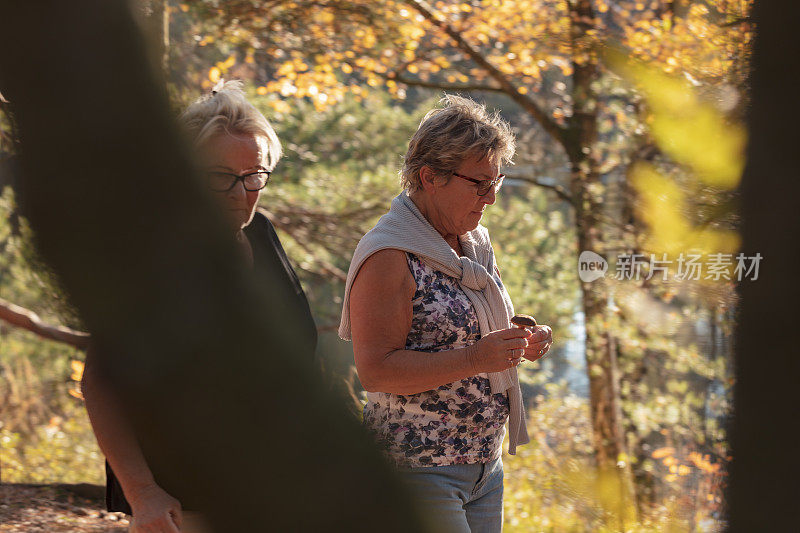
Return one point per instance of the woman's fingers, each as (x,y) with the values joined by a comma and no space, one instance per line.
(516,353)
(536,350)
(514,333)
(541,333)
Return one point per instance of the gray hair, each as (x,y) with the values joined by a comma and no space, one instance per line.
(460,128)
(226,109)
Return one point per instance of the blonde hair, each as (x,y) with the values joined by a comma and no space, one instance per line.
(447,135)
(226,109)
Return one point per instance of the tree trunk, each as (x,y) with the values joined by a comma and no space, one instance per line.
(586,189)
(766,465)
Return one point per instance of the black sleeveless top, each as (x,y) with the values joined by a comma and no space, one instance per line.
(268,258)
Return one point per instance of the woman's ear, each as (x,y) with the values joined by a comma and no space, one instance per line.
(427,179)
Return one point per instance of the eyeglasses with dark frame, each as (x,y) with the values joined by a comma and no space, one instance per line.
(484,186)
(225,181)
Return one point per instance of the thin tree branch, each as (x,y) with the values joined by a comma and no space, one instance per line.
(325,267)
(526,102)
(443,86)
(26,319)
(736,22)
(560,191)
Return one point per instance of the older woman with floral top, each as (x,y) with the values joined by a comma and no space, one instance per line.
(429,319)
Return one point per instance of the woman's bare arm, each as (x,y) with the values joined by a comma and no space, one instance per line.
(152,506)
(380,317)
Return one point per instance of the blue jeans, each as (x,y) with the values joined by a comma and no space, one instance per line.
(459,498)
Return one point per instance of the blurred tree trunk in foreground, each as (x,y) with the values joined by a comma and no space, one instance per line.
(232,419)
(766,466)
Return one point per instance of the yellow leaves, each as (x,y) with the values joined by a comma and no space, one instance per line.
(522,89)
(324,17)
(228,63)
(214,74)
(691,131)
(662,208)
(442,62)
(346,68)
(261,91)
(369,39)
(183,7)
(413,69)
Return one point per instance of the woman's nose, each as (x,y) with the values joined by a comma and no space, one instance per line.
(490,197)
(237,192)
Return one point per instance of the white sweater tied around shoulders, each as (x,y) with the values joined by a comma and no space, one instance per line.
(405,228)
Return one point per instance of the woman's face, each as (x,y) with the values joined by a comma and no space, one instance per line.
(235,154)
(459,207)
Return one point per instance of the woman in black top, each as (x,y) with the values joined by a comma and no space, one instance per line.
(238,150)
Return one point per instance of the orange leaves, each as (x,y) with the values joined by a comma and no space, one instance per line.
(670,461)
(678,469)
(703,463)
(77,370)
(662,452)
(77,376)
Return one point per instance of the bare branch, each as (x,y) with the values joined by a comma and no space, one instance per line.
(325,267)
(443,86)
(526,102)
(736,22)
(26,319)
(560,191)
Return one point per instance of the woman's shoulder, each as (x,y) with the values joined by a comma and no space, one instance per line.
(262,226)
(387,267)
(388,261)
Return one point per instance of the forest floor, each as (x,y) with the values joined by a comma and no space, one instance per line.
(49,508)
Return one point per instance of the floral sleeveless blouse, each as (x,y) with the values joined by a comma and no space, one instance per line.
(457,423)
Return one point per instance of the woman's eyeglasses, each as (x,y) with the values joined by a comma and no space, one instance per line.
(224,181)
(484,186)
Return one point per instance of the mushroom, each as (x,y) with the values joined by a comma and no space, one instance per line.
(523,321)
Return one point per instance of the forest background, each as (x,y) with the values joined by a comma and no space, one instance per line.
(628,117)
